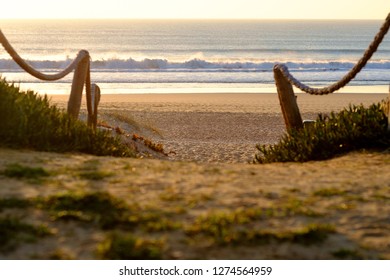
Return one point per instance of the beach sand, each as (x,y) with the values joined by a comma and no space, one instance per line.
(349,194)
(212,127)
(333,209)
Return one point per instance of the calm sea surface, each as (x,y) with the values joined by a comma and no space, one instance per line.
(135,56)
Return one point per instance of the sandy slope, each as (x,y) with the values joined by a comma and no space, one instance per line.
(350,193)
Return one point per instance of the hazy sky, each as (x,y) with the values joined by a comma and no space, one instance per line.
(291,9)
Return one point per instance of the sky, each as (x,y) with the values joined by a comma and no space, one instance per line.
(193,9)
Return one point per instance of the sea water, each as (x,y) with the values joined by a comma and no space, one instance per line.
(184,56)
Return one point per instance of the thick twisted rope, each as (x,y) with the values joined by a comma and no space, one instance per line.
(349,76)
(29,69)
(82,75)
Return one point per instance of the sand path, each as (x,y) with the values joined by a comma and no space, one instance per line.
(213,127)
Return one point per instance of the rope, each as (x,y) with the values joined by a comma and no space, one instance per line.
(349,76)
(29,69)
(82,75)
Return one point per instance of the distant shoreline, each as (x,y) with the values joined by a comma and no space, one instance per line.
(131,88)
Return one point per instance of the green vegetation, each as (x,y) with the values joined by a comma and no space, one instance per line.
(351,129)
(223,231)
(308,235)
(347,254)
(13,203)
(59,255)
(13,232)
(312,234)
(119,246)
(159,224)
(28,121)
(97,207)
(106,211)
(233,227)
(327,192)
(19,171)
(131,230)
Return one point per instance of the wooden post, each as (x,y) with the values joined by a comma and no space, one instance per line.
(89,93)
(79,77)
(388,111)
(95,99)
(288,102)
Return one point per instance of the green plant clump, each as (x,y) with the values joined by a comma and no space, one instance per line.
(119,246)
(13,232)
(18,171)
(29,121)
(14,202)
(98,207)
(351,129)
(347,254)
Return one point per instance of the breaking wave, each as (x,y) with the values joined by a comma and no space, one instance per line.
(194,65)
(200,71)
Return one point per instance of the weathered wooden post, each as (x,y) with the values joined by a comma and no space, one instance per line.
(288,102)
(388,111)
(79,79)
(385,107)
(94,102)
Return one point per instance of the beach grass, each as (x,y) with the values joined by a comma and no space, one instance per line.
(29,121)
(354,128)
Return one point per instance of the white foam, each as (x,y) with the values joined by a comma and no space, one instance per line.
(195,64)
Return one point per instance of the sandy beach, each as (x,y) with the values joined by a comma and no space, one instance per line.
(212,127)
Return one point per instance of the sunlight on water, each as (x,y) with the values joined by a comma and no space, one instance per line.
(142,56)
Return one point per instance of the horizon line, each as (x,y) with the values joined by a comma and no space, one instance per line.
(107,18)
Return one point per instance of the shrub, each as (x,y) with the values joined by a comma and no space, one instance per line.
(29,121)
(351,129)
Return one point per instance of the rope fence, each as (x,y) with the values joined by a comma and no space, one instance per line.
(82,76)
(284,81)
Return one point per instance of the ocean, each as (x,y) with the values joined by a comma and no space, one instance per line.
(187,56)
